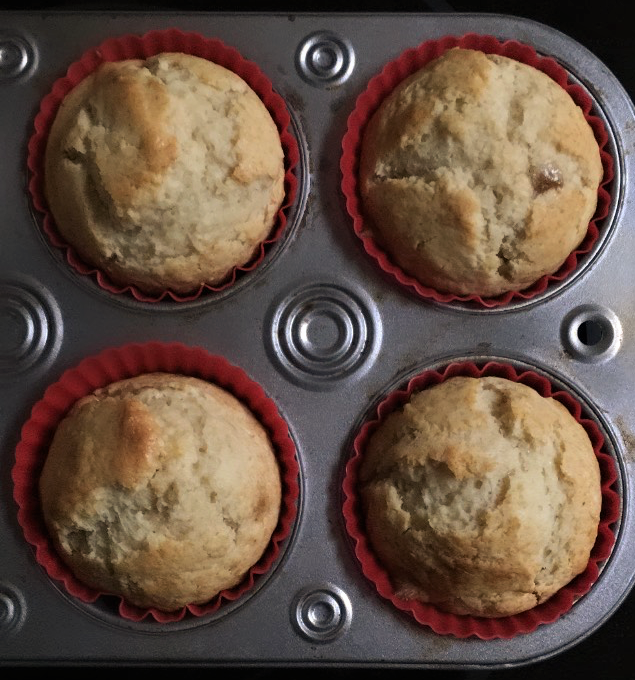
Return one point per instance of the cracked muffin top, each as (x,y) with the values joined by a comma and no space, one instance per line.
(480,496)
(163,489)
(165,174)
(479,174)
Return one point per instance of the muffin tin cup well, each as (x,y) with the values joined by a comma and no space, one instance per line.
(392,75)
(467,626)
(125,362)
(142,47)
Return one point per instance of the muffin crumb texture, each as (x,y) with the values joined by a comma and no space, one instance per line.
(162,489)
(165,173)
(479,174)
(481,497)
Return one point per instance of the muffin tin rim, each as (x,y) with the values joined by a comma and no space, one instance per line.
(473,662)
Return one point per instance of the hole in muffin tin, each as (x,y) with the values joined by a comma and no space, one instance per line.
(591,333)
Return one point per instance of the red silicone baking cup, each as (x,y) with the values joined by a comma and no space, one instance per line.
(142,47)
(126,362)
(467,626)
(398,70)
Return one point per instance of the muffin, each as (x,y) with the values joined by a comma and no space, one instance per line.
(165,173)
(480,497)
(478,174)
(162,488)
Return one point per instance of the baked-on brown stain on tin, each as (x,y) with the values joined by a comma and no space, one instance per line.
(628,437)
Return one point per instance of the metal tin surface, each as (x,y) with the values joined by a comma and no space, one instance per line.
(325,334)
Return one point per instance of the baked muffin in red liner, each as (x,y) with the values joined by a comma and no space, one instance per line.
(382,84)
(463,626)
(128,361)
(141,47)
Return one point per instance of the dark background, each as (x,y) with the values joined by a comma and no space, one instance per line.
(604,27)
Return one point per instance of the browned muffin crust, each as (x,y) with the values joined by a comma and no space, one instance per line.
(165,173)
(163,489)
(481,496)
(479,174)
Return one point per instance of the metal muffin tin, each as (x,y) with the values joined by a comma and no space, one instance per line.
(324,332)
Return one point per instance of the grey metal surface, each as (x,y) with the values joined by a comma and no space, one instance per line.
(321,329)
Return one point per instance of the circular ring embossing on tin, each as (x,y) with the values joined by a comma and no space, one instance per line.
(322,333)
(12,608)
(17,57)
(31,326)
(321,613)
(591,333)
(323,59)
